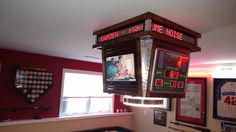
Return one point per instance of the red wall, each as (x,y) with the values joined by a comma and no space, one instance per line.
(10,97)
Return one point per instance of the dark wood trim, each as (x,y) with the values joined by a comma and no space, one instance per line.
(154,35)
(176,42)
(174,25)
(144,16)
(121,24)
(166,45)
(167,94)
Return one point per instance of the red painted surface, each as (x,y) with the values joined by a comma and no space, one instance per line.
(11,97)
(118,104)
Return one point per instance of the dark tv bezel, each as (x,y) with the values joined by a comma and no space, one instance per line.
(121,87)
(120,80)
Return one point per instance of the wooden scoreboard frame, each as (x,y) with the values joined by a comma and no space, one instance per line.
(125,37)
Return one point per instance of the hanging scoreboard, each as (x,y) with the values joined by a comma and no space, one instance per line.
(169,71)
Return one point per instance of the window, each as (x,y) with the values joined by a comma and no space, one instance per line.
(82,93)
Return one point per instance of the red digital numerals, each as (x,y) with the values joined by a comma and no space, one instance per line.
(159,82)
(173,84)
(230,100)
(135,29)
(119,33)
(180,84)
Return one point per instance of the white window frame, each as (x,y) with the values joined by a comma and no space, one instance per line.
(62,90)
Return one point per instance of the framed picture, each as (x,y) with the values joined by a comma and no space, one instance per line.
(224,99)
(160,117)
(228,127)
(192,108)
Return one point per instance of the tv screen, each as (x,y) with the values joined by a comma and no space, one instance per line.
(176,61)
(120,68)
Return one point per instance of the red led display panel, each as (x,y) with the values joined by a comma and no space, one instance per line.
(172,33)
(159,82)
(169,32)
(120,33)
(173,84)
(180,84)
(172,74)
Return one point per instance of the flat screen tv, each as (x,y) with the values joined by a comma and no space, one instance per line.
(120,73)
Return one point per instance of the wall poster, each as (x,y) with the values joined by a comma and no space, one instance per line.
(192,108)
(160,117)
(224,99)
(228,127)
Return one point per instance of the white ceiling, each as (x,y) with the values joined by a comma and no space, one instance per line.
(64,28)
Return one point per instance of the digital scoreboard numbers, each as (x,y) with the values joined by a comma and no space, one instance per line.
(169,72)
(166,80)
(225,99)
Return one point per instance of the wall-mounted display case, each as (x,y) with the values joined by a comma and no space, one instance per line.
(33,82)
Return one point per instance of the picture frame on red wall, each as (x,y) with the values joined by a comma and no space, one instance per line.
(192,108)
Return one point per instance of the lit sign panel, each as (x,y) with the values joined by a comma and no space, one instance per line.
(140,27)
(120,33)
(172,33)
(167,31)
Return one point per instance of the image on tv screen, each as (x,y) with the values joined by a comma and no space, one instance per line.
(176,61)
(120,68)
